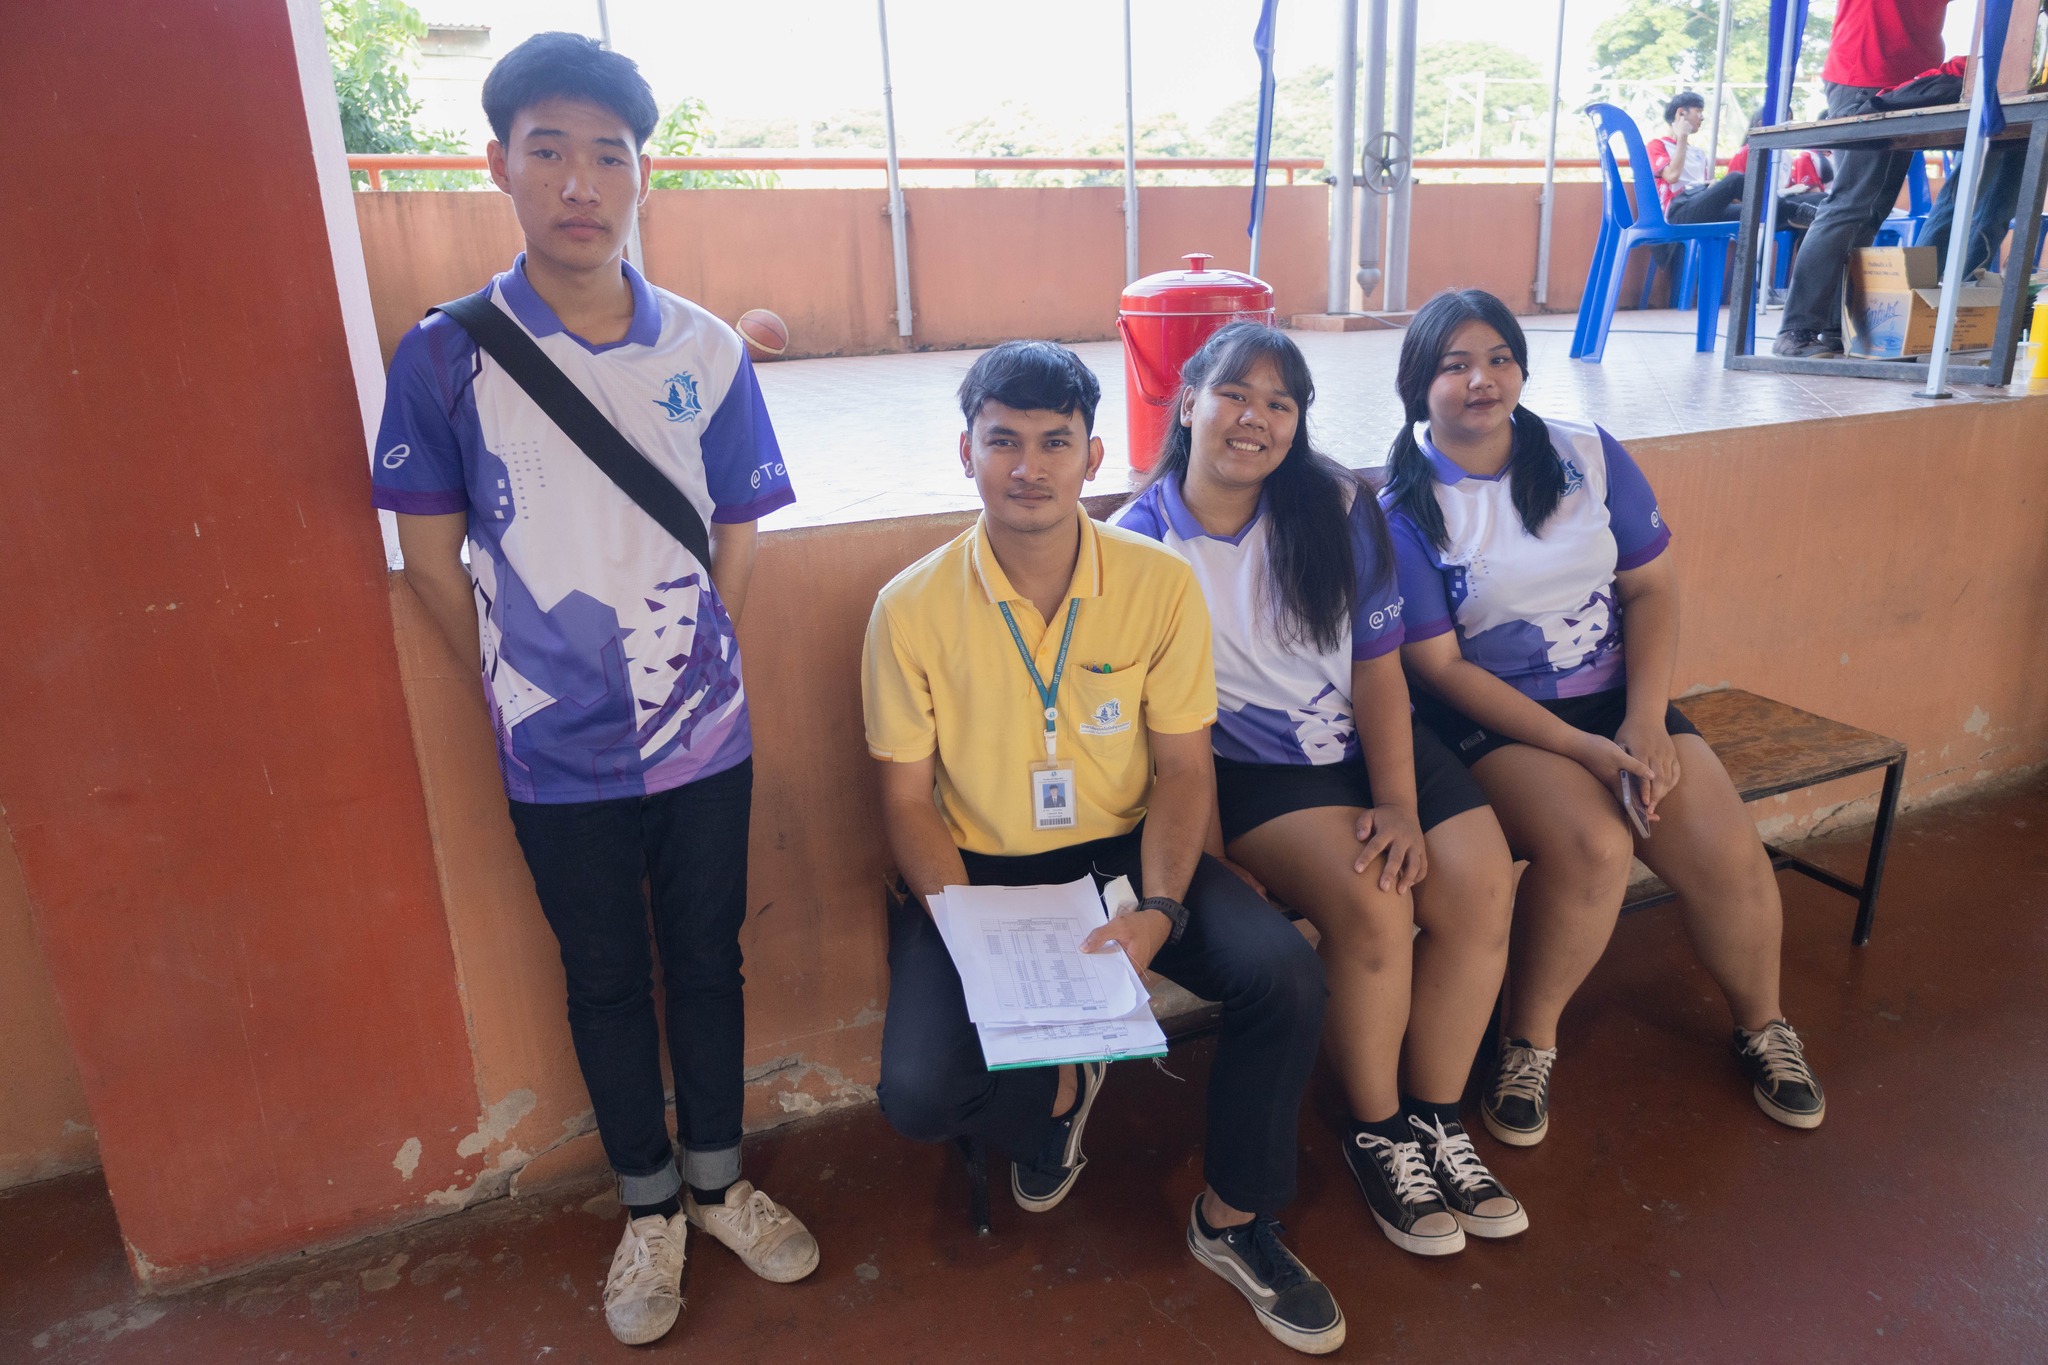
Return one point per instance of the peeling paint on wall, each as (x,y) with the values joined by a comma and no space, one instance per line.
(497,1123)
(408,1159)
(1979,722)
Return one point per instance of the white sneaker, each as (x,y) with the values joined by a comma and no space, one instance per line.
(764,1235)
(643,1295)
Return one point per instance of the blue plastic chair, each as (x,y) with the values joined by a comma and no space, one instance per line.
(1901,227)
(1623,228)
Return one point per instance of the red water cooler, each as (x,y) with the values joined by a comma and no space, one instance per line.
(1164,319)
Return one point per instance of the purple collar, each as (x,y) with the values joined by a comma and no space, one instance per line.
(536,317)
(1188,526)
(1448,470)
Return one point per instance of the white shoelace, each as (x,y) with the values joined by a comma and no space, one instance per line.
(1783,1055)
(651,1259)
(755,1217)
(1413,1183)
(1454,1152)
(1524,1073)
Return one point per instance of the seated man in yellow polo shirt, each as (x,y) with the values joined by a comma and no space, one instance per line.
(1050,680)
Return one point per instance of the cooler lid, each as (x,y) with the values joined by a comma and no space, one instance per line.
(1197,289)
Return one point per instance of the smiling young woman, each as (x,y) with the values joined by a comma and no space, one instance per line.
(1327,791)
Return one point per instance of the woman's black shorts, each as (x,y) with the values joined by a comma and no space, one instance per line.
(1599,713)
(1250,794)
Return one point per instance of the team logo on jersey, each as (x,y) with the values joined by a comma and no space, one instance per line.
(1392,612)
(681,403)
(397,456)
(1573,479)
(1108,720)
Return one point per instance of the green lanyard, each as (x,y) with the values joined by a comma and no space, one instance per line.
(1046,694)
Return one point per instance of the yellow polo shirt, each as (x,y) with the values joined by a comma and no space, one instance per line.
(940,671)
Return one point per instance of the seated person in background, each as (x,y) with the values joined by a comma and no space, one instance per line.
(1802,182)
(1524,547)
(1035,644)
(1685,184)
(1328,791)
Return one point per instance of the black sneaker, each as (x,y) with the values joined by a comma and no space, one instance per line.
(1517,1108)
(1805,345)
(1784,1085)
(1483,1206)
(1292,1304)
(1043,1183)
(1404,1200)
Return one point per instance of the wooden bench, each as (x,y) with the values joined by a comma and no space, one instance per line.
(1767,747)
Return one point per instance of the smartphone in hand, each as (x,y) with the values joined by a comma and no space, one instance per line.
(1631,805)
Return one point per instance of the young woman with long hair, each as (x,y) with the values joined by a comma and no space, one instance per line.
(1326,792)
(1524,548)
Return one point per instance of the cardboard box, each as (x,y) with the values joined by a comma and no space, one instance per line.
(1893,296)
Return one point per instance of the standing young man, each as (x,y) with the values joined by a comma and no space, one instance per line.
(1876,44)
(607,649)
(1049,680)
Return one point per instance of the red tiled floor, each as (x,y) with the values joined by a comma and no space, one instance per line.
(1671,1221)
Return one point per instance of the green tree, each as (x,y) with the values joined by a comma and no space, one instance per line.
(1302,112)
(683,131)
(1672,42)
(1456,83)
(369,44)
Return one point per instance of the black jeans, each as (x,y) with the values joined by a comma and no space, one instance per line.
(1998,198)
(1720,202)
(1866,186)
(1237,950)
(589,860)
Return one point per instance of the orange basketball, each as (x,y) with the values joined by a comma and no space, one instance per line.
(764,331)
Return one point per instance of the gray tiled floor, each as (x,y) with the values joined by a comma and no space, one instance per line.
(869,437)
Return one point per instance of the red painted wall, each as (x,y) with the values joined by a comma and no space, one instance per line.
(205,761)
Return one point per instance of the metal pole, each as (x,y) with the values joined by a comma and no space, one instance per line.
(1720,83)
(1549,200)
(1130,160)
(1404,133)
(899,234)
(1959,238)
(1372,217)
(633,251)
(1788,62)
(1343,157)
(1259,190)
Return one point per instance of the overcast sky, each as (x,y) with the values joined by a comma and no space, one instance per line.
(954,59)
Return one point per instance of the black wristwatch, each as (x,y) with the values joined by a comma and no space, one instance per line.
(1174,911)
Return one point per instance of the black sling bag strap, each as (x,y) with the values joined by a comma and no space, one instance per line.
(570,409)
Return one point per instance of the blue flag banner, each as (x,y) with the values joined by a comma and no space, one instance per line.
(1778,103)
(1262,142)
(1997,19)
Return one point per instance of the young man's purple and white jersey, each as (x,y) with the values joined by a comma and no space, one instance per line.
(612,664)
(1277,700)
(1537,612)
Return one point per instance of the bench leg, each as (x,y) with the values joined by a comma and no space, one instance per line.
(975,1152)
(1880,841)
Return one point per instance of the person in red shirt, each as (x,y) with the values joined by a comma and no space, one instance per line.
(1877,44)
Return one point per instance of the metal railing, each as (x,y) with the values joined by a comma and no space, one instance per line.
(375,164)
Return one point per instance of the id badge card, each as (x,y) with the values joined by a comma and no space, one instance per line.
(1052,795)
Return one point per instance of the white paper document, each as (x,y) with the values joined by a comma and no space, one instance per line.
(1034,996)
